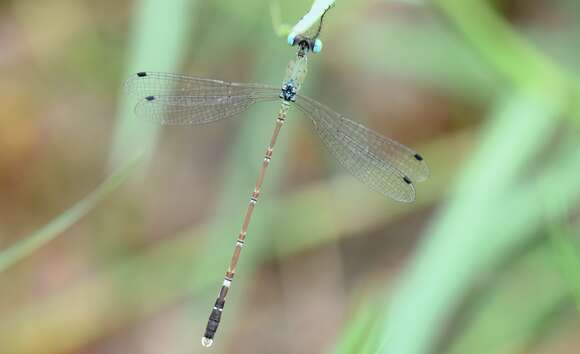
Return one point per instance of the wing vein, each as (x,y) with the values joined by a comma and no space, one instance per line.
(383,164)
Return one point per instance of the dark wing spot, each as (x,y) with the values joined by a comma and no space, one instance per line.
(142,74)
(407,180)
(150,98)
(418,157)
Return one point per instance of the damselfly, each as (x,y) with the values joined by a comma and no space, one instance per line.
(383,164)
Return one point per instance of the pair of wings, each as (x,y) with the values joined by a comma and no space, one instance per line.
(381,163)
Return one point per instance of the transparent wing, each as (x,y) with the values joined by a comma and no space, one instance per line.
(181,99)
(383,164)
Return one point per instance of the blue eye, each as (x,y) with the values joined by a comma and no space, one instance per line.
(317,46)
(291,38)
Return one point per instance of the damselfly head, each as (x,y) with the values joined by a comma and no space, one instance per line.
(305,44)
(310,42)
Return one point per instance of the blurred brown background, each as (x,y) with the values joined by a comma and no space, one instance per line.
(485,261)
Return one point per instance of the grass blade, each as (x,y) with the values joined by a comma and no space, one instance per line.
(158,37)
(57,226)
(472,231)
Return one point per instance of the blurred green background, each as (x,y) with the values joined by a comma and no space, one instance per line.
(115,233)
